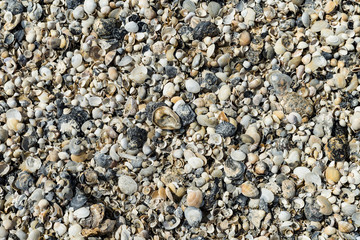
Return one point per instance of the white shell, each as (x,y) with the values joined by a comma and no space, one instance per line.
(238,155)
(32,164)
(301,172)
(313,178)
(139,74)
(267,195)
(13,114)
(196,162)
(333,40)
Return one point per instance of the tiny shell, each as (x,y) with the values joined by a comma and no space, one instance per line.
(165,118)
(248,189)
(194,198)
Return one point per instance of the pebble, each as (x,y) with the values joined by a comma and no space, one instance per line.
(205,28)
(244,38)
(225,129)
(131,27)
(193,216)
(224,93)
(214,8)
(192,86)
(3,232)
(238,155)
(82,213)
(127,185)
(284,216)
(89,6)
(74,230)
(355,121)
(288,189)
(34,234)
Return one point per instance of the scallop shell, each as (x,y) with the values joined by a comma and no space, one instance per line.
(248,189)
(345,227)
(165,118)
(333,40)
(194,198)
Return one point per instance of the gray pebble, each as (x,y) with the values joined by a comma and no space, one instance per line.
(127,185)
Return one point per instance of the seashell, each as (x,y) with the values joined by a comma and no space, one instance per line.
(139,74)
(234,169)
(298,203)
(257,43)
(10,25)
(24,181)
(167,33)
(109,57)
(267,195)
(333,40)
(195,162)
(305,18)
(288,189)
(261,168)
(332,175)
(325,205)
(194,198)
(10,65)
(14,114)
(193,216)
(313,178)
(300,172)
(4,168)
(165,118)
(189,5)
(319,25)
(345,227)
(244,38)
(269,13)
(31,164)
(286,230)
(248,189)
(171,222)
(215,138)
(97,214)
(356,219)
(126,60)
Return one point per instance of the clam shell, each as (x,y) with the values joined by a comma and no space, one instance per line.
(165,118)
(171,222)
(139,74)
(248,189)
(4,168)
(345,227)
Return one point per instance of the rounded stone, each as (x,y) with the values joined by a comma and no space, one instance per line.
(224,93)
(132,27)
(127,185)
(192,86)
(82,212)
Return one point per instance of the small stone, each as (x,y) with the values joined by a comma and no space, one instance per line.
(89,6)
(132,27)
(127,185)
(244,38)
(267,195)
(248,189)
(238,155)
(102,160)
(186,114)
(196,162)
(256,216)
(234,169)
(171,71)
(8,224)
(312,212)
(284,216)
(15,7)
(288,189)
(214,8)
(193,216)
(78,200)
(169,90)
(204,29)
(225,129)
(189,5)
(137,137)
(192,86)
(292,102)
(82,213)
(319,25)
(224,93)
(194,198)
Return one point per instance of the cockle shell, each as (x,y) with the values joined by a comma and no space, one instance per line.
(248,189)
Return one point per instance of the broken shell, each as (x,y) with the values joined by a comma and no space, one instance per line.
(193,215)
(194,198)
(31,164)
(171,222)
(325,205)
(234,169)
(4,169)
(139,74)
(248,189)
(165,118)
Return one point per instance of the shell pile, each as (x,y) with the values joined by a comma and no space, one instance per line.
(179,119)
